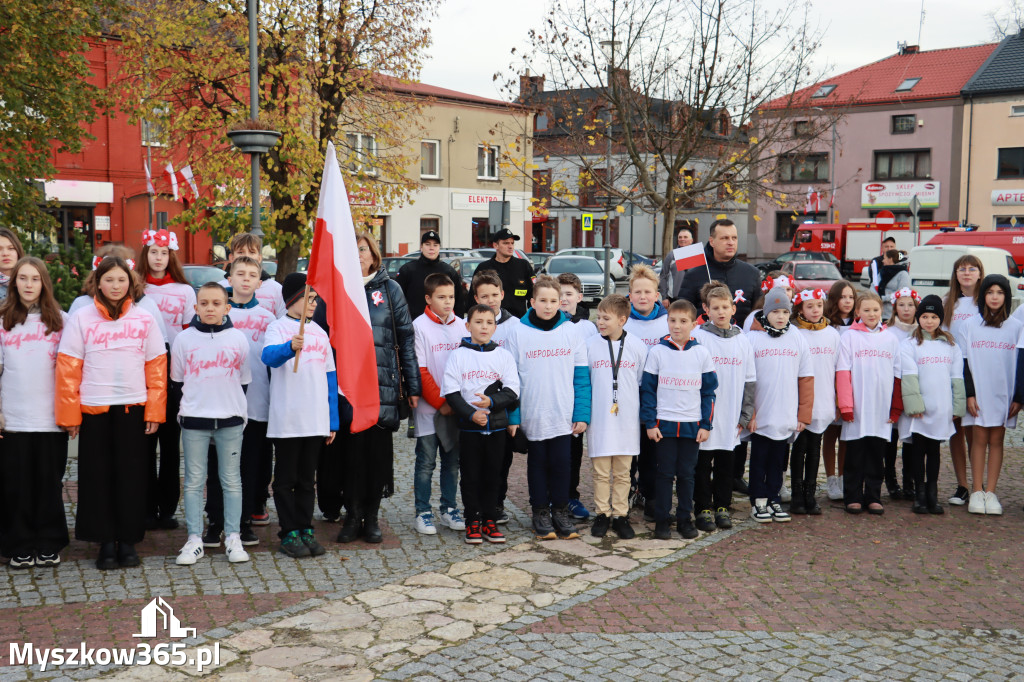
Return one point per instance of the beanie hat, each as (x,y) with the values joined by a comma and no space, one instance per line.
(930,304)
(776,299)
(293,287)
(989,282)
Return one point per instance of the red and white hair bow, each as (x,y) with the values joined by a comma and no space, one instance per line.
(770,283)
(809,295)
(99,259)
(160,238)
(903,293)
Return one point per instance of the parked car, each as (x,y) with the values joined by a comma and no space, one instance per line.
(811,274)
(198,275)
(588,269)
(790,256)
(538,258)
(489,253)
(618,262)
(394,263)
(467,266)
(449,254)
(634,258)
(931,267)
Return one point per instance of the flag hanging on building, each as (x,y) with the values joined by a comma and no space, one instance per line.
(149,178)
(813,201)
(188,179)
(335,274)
(687,257)
(172,178)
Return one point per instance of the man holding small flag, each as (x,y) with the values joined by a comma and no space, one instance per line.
(717,261)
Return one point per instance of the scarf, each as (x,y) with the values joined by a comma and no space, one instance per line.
(907,327)
(166,279)
(657,311)
(803,323)
(544,325)
(5,280)
(772,331)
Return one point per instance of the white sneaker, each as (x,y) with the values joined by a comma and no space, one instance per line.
(992,505)
(779,515)
(233,548)
(835,490)
(191,552)
(453,519)
(784,494)
(759,511)
(976,505)
(425,524)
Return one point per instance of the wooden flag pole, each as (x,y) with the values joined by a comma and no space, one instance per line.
(302,327)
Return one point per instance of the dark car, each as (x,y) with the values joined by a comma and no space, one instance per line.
(634,258)
(394,263)
(781,260)
(467,267)
(538,258)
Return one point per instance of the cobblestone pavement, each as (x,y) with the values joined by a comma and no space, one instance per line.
(892,597)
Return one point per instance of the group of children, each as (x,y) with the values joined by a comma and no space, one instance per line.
(665,398)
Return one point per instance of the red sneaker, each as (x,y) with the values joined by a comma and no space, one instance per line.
(473,536)
(491,532)
(261,519)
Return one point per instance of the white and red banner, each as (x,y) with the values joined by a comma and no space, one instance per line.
(335,274)
(172,178)
(149,178)
(813,204)
(692,256)
(186,177)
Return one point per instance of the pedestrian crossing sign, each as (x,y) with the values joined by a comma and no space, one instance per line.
(588,222)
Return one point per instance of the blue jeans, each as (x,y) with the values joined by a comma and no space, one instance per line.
(426,458)
(196,443)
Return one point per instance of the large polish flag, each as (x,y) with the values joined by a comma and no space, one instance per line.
(335,275)
(691,256)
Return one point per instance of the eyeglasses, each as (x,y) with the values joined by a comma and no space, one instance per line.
(967,269)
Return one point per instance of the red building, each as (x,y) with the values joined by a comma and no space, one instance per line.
(102,189)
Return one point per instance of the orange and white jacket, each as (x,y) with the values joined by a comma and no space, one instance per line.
(103,361)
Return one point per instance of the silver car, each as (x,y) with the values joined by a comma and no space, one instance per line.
(589,271)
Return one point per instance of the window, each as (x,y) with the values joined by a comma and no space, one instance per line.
(903,215)
(903,165)
(481,233)
(802,129)
(364,148)
(154,132)
(486,162)
(1009,222)
(823,91)
(430,224)
(903,123)
(1017,110)
(908,84)
(786,223)
(430,158)
(809,168)
(541,122)
(1011,162)
(542,187)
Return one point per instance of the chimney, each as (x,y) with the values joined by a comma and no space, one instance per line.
(530,86)
(909,49)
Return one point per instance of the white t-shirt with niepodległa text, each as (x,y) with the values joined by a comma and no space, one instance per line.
(873,360)
(28,384)
(734,364)
(823,345)
(213,366)
(618,433)
(680,373)
(991,356)
(935,363)
(469,372)
(176,303)
(780,362)
(298,400)
(435,341)
(651,332)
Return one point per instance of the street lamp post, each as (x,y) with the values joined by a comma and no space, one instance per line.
(608,47)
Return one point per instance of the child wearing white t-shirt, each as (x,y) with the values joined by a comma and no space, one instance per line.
(303,412)
(554,404)
(783,402)
(823,344)
(481,384)
(902,325)
(995,389)
(677,402)
(438,332)
(734,406)
(616,360)
(210,361)
(931,379)
(870,402)
(35,450)
(842,298)
(269,292)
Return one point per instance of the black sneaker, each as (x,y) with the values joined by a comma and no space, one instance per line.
(293,546)
(623,528)
(44,559)
(600,527)
(740,486)
(127,557)
(315,548)
(663,530)
(563,524)
(501,518)
(722,518)
(687,529)
(214,534)
(649,511)
(542,527)
(23,561)
(959,498)
(247,535)
(706,521)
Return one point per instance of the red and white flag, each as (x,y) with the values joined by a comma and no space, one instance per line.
(813,201)
(335,274)
(188,179)
(172,178)
(149,178)
(691,256)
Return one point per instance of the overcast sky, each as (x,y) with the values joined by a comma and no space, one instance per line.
(473,38)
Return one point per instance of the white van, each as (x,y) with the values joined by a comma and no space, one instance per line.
(932,265)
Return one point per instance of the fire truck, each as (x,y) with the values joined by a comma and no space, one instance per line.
(855,243)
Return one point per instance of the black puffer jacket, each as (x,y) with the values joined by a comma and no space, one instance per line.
(384,344)
(734,273)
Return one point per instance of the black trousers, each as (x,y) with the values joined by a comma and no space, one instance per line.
(644,471)
(506,466)
(255,449)
(767,465)
(805,458)
(481,456)
(31,499)
(739,460)
(923,459)
(863,470)
(547,472)
(294,473)
(676,463)
(163,484)
(891,451)
(367,468)
(713,486)
(111,467)
(575,461)
(329,475)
